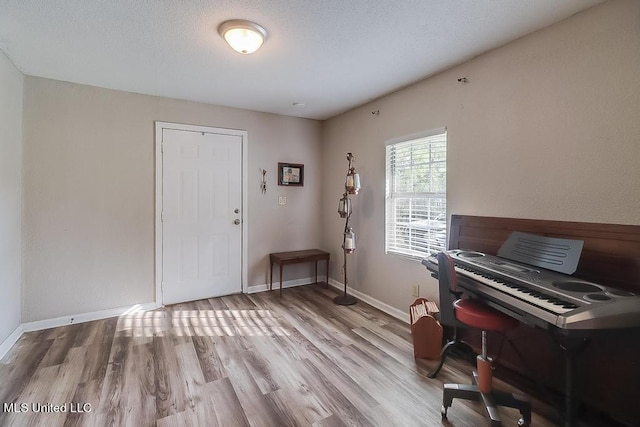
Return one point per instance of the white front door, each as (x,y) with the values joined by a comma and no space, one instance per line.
(201,214)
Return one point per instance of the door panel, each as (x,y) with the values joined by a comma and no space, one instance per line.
(201,191)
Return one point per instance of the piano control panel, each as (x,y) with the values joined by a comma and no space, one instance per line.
(541,296)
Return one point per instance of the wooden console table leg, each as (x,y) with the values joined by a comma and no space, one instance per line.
(270,275)
(316,263)
(280,280)
(327,269)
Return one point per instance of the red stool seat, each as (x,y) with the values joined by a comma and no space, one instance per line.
(481,316)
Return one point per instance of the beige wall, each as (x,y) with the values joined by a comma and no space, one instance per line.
(11,86)
(547,127)
(89,193)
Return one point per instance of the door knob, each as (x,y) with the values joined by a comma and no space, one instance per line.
(236,221)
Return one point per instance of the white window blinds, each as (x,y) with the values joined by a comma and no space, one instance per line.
(416,223)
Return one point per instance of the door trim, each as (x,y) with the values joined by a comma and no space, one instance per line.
(158,197)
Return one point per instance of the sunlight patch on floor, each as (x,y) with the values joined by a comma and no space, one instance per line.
(209,323)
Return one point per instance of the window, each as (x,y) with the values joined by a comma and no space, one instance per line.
(416,195)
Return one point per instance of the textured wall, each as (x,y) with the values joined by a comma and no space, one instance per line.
(89,193)
(546,127)
(11,85)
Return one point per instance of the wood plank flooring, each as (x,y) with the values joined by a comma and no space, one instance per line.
(242,360)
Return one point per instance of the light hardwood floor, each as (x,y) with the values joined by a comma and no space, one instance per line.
(242,360)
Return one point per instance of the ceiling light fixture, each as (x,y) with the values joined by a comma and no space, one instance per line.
(243,36)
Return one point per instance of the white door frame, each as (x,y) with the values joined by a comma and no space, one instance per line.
(158,196)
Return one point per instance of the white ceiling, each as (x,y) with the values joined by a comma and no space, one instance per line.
(331,55)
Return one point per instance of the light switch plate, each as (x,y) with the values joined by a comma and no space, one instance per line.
(282,200)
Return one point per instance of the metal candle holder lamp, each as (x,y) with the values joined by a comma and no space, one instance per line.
(351,186)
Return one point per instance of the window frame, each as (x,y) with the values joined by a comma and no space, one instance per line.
(434,240)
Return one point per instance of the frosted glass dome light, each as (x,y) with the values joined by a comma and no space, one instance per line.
(243,36)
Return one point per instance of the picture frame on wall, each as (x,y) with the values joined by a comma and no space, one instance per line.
(291,174)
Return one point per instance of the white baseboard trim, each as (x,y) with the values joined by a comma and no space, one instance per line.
(10,341)
(87,317)
(285,284)
(392,311)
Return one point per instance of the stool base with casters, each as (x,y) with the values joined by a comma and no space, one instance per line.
(491,401)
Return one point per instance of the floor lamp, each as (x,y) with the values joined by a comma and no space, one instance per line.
(351,186)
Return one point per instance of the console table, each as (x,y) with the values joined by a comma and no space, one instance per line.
(297,257)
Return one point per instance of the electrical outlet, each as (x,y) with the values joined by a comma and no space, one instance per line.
(282,200)
(415,290)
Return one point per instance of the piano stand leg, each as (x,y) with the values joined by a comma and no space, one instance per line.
(571,351)
(443,356)
(451,346)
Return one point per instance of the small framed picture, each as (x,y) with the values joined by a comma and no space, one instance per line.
(291,174)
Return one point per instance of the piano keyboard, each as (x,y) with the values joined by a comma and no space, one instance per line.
(544,300)
(540,296)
